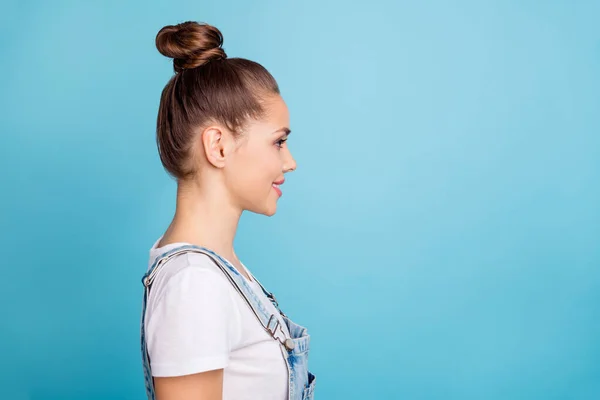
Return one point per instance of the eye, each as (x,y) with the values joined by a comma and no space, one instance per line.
(280,142)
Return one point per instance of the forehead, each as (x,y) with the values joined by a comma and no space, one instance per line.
(276,112)
(275,118)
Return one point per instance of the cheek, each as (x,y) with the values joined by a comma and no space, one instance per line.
(265,162)
(255,172)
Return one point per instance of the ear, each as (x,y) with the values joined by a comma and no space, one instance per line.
(213,142)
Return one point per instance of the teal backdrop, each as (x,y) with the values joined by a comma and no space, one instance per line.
(440,238)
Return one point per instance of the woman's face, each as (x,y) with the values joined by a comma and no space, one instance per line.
(256,169)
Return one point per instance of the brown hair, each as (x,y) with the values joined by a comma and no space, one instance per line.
(207,88)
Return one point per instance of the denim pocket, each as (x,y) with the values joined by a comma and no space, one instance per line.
(308,393)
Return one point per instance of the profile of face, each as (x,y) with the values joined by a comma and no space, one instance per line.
(254,163)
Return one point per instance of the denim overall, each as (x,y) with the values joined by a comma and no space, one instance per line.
(301,382)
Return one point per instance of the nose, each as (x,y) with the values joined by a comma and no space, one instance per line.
(289,163)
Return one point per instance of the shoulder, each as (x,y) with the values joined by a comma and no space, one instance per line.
(192,264)
(192,321)
(189,274)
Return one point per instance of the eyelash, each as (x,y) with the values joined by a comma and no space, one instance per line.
(280,142)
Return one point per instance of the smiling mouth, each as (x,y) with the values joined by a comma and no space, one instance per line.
(277,188)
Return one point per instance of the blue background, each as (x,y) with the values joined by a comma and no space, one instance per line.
(441,237)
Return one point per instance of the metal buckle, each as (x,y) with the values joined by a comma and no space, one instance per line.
(287,342)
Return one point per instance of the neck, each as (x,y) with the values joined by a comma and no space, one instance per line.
(204,218)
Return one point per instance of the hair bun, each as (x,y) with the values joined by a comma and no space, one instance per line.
(190,44)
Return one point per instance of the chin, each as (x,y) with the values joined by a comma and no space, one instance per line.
(269,210)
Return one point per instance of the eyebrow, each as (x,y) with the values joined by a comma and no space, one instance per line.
(286,130)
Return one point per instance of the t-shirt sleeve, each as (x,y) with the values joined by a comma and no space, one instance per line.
(194,325)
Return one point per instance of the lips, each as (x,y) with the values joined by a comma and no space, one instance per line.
(276,186)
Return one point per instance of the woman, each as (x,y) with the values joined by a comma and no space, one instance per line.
(209,328)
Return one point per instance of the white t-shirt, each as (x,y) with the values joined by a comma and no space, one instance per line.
(196,321)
